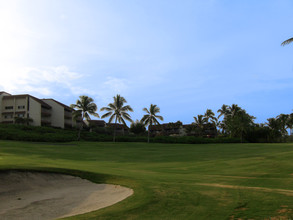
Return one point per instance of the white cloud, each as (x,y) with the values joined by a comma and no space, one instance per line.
(115,85)
(42,80)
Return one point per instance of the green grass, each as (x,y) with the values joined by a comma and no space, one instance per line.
(172,181)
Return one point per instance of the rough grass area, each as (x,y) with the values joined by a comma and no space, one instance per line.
(172,181)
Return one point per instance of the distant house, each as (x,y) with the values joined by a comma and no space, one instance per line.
(96,123)
(209,130)
(168,129)
(178,129)
(120,128)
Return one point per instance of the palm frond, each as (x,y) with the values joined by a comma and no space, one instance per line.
(156,122)
(126,116)
(146,110)
(87,117)
(290,40)
(122,121)
(127,108)
(144,118)
(111,118)
(147,122)
(112,106)
(107,114)
(160,117)
(106,109)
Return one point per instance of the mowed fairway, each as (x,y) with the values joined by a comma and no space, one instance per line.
(172,181)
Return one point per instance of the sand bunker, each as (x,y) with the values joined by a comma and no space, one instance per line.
(30,195)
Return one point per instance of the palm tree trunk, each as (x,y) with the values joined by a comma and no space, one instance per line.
(149,134)
(115,130)
(78,137)
(80,127)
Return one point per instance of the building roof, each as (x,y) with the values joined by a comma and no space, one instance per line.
(117,125)
(63,105)
(44,104)
(1,92)
(97,122)
(165,126)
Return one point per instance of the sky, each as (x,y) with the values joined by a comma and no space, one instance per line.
(185,56)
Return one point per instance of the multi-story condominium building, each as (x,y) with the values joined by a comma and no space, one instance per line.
(41,112)
(61,114)
(24,106)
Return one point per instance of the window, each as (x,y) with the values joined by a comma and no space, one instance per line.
(20,115)
(21,107)
(8,107)
(8,116)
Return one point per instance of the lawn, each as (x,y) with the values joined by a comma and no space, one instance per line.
(172,181)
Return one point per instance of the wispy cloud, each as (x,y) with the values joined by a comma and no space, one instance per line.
(39,80)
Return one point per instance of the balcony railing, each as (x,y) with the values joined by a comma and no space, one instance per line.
(46,112)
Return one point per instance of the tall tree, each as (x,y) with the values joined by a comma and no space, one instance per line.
(84,107)
(212,120)
(200,122)
(290,40)
(150,118)
(223,111)
(290,123)
(118,111)
(275,128)
(137,127)
(210,116)
(283,121)
(236,121)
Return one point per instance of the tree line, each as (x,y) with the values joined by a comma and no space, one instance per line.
(232,121)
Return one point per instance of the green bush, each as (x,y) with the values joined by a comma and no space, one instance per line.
(49,134)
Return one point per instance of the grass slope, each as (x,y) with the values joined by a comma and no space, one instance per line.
(172,181)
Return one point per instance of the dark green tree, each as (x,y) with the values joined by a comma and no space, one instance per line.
(118,111)
(200,122)
(137,127)
(84,107)
(150,118)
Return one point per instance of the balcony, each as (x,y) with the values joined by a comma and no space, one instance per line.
(45,122)
(68,115)
(45,112)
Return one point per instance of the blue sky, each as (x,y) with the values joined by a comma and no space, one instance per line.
(185,56)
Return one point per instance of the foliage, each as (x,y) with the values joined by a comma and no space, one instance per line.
(22,120)
(85,107)
(137,127)
(236,121)
(117,110)
(290,40)
(150,118)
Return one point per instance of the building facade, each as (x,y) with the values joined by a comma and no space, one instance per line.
(61,115)
(37,112)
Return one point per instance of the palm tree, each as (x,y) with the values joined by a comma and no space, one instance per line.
(150,118)
(233,110)
(210,115)
(223,111)
(289,123)
(84,107)
(283,119)
(200,121)
(290,40)
(117,110)
(211,119)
